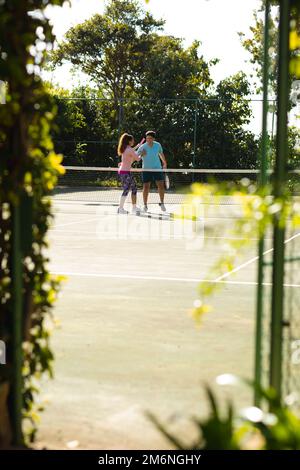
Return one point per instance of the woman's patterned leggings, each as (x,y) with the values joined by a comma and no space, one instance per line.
(128,184)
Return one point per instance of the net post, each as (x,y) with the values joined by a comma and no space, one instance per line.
(195,132)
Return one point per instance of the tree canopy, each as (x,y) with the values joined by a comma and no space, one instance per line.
(111,48)
(253,43)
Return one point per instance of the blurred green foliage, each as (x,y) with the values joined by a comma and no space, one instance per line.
(250,429)
(29,168)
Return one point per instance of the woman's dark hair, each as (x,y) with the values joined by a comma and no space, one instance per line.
(123,143)
(151,134)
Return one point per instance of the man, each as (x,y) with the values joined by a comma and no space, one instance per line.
(153,159)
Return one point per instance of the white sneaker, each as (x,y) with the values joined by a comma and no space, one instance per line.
(122,211)
(162,206)
(136,210)
(145,209)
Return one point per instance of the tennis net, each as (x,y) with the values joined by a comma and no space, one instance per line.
(102,185)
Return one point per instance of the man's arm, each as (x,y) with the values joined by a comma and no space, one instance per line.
(163,159)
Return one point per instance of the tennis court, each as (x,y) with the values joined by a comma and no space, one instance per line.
(127,343)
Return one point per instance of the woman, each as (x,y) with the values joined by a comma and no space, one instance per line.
(128,157)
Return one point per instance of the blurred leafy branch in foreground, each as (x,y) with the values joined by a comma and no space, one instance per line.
(29,169)
(250,429)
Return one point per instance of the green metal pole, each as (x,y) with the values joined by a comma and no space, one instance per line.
(273,120)
(279,186)
(17,356)
(120,115)
(262,183)
(195,133)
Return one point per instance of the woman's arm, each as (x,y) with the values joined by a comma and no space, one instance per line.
(138,145)
(137,157)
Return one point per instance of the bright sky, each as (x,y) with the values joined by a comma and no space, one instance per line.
(214,22)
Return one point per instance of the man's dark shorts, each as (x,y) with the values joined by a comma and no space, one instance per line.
(152,176)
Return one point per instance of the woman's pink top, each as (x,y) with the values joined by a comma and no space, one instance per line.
(128,157)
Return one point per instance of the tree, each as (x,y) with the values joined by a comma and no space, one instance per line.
(255,42)
(224,142)
(111,48)
(172,71)
(221,115)
(161,68)
(85,131)
(162,81)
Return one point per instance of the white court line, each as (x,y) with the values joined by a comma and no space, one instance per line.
(250,261)
(97,238)
(85,232)
(74,223)
(162,278)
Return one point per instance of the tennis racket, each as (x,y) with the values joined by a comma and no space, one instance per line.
(167,181)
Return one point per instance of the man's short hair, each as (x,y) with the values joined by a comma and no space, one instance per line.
(151,134)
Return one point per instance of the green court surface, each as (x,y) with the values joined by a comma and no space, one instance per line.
(126,343)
